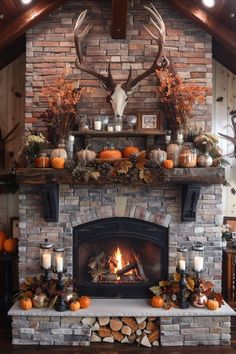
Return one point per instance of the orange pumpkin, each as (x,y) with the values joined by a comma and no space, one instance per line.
(26,303)
(74,305)
(157,301)
(10,245)
(57,162)
(110,154)
(3,237)
(85,301)
(213,304)
(168,164)
(129,151)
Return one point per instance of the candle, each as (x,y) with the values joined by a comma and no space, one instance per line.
(97,124)
(110,128)
(47,261)
(182,264)
(198,263)
(59,263)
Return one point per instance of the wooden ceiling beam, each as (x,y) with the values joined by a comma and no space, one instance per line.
(219,31)
(27,19)
(119,18)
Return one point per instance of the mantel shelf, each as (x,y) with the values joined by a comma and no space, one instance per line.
(205,176)
(127,133)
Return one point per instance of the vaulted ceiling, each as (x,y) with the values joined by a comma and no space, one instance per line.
(220,22)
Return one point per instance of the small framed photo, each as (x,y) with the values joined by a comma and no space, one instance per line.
(148,121)
(14,227)
(231,222)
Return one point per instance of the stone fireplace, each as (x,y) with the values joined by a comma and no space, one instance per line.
(153,213)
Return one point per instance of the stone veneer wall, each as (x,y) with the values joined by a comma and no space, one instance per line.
(50,49)
(81,204)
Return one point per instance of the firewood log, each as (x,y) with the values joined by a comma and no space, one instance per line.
(103,321)
(139,266)
(151,326)
(126,269)
(104,332)
(95,261)
(126,330)
(129,321)
(116,324)
(117,336)
(95,274)
(153,336)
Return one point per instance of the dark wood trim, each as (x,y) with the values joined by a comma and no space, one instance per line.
(217,29)
(207,175)
(224,56)
(27,19)
(119,19)
(12,51)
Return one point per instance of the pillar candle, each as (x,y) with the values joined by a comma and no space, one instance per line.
(182,264)
(198,263)
(47,261)
(59,263)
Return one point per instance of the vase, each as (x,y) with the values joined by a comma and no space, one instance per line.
(60,151)
(173,151)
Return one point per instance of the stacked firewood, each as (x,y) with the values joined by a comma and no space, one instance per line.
(132,330)
(102,269)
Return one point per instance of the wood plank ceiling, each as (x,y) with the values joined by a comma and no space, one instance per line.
(220,22)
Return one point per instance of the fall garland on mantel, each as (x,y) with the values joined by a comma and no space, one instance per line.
(133,170)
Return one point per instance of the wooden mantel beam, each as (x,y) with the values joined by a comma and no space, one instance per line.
(213,26)
(27,19)
(119,18)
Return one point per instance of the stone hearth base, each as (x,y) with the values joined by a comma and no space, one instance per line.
(177,327)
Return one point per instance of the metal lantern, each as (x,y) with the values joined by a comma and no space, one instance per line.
(59,259)
(182,259)
(198,257)
(46,254)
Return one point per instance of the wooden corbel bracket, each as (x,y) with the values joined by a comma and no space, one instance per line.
(190,196)
(50,201)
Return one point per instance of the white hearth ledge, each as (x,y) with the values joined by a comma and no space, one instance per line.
(123,307)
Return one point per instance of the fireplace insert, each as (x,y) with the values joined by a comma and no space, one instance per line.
(119,257)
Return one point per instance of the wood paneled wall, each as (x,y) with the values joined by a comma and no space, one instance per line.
(224,87)
(12,111)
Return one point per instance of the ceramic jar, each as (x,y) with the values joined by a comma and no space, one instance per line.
(188,156)
(173,151)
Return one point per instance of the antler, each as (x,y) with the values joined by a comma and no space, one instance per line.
(107,81)
(158,23)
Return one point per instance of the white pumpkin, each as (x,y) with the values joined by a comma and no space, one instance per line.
(157,156)
(59,152)
(86,155)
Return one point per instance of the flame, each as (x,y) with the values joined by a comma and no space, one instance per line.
(118,258)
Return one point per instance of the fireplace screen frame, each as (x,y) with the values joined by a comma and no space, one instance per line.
(120,227)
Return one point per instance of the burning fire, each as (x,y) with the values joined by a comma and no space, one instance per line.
(118,258)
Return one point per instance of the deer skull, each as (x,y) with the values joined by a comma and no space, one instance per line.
(120,92)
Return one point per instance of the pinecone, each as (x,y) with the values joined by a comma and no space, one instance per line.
(105,168)
(161,174)
(133,158)
(78,172)
(69,163)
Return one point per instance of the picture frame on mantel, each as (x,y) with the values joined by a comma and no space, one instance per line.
(14,227)
(149,121)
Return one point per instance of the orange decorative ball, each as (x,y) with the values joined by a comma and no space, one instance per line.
(168,164)
(213,304)
(85,302)
(157,301)
(74,305)
(10,245)
(26,303)
(3,237)
(57,162)
(129,151)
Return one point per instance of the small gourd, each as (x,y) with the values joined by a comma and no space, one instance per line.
(26,303)
(213,304)
(59,152)
(10,245)
(168,164)
(129,151)
(3,237)
(158,156)
(84,301)
(57,162)
(86,155)
(74,305)
(157,301)
(110,153)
